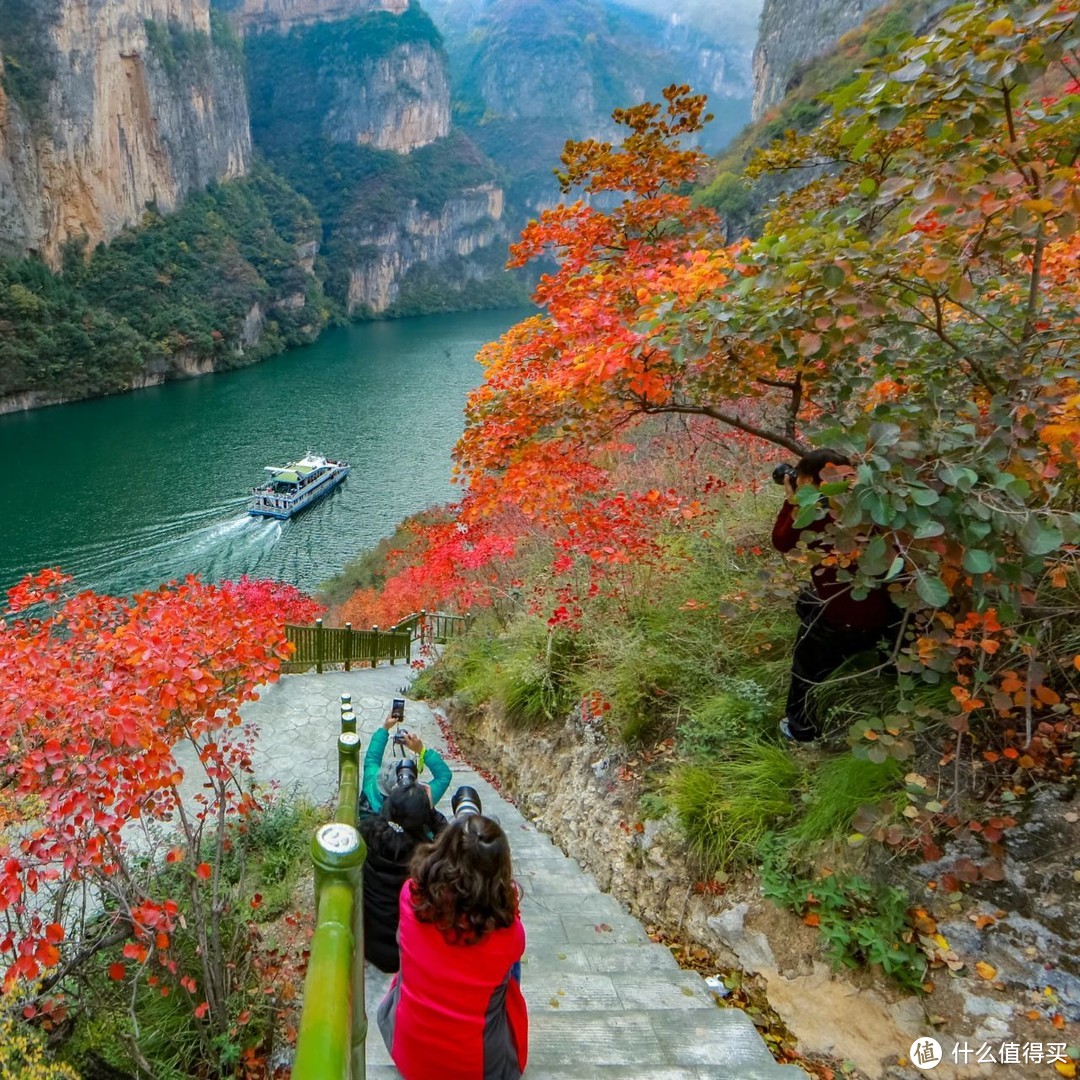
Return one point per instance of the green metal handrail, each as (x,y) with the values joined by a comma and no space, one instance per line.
(331,1041)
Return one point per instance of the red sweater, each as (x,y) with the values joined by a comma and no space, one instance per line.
(458,1015)
(840,609)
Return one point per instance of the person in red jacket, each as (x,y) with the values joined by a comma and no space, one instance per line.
(834,626)
(455,1011)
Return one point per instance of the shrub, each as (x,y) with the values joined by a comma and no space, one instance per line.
(742,708)
(726,807)
(861,923)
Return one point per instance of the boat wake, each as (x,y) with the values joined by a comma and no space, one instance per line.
(199,542)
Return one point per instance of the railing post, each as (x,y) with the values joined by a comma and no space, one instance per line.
(318,646)
(375,646)
(346,704)
(348,721)
(348,646)
(348,748)
(423,626)
(325,1045)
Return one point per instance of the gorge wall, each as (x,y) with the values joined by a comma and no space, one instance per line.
(355,111)
(529,74)
(464,224)
(793,32)
(282,15)
(105,106)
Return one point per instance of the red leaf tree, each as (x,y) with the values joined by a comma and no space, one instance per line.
(98,695)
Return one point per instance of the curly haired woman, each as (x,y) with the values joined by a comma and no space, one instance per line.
(454,1010)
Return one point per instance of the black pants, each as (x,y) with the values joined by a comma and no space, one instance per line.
(820,649)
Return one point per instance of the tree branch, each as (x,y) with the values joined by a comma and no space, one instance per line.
(732,420)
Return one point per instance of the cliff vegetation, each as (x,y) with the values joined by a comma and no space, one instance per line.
(742,200)
(179,288)
(528,74)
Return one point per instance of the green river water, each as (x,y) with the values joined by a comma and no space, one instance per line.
(129,491)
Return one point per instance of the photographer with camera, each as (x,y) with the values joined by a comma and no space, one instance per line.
(834,626)
(393,825)
(455,1010)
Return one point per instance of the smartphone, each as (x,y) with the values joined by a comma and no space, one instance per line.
(397,710)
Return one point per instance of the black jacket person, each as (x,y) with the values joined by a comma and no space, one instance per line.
(833,625)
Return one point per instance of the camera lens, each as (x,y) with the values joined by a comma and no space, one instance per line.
(465,801)
(406,773)
(782,472)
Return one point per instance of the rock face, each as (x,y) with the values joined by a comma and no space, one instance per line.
(342,91)
(793,32)
(402,103)
(529,74)
(281,15)
(140,105)
(465,223)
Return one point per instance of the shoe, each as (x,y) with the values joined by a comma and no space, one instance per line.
(787,733)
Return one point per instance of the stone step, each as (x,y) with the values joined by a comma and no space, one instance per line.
(605,1003)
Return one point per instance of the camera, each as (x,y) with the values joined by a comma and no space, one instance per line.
(465,802)
(399,737)
(783,472)
(405,772)
(397,709)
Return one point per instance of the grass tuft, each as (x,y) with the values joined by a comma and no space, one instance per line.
(727,806)
(836,789)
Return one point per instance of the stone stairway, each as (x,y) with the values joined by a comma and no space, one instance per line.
(604,1001)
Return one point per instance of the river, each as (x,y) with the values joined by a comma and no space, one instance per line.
(129,491)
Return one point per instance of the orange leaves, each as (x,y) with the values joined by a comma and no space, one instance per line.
(204,871)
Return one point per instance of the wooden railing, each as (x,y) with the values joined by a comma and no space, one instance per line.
(321,646)
(432,627)
(331,1041)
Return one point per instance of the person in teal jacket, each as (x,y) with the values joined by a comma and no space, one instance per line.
(441,776)
(393,825)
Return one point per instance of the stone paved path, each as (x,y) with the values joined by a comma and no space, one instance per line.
(604,1001)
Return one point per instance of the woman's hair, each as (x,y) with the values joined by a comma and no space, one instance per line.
(811,464)
(387,843)
(409,806)
(463,883)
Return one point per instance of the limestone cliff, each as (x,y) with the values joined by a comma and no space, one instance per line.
(106,105)
(365,80)
(529,74)
(282,15)
(355,113)
(793,32)
(464,224)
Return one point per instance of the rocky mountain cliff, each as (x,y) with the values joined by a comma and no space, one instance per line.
(529,74)
(105,106)
(283,15)
(355,113)
(793,32)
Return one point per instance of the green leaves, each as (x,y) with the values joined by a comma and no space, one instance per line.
(977,561)
(932,590)
(1040,536)
(833,276)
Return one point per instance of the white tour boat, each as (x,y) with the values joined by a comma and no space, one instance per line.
(293,487)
